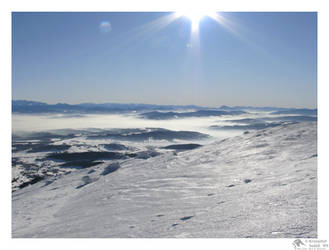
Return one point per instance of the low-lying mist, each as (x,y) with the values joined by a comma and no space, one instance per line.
(22,123)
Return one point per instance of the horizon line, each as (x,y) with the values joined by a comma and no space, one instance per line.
(179,105)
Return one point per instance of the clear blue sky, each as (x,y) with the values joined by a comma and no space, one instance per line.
(262,59)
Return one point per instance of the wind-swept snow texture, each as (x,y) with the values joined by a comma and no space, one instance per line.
(260,184)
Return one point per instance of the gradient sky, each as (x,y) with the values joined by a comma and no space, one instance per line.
(256,59)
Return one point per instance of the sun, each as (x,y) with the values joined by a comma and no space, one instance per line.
(195,16)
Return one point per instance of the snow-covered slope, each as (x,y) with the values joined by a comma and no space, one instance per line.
(259,184)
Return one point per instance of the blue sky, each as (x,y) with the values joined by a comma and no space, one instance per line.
(257,59)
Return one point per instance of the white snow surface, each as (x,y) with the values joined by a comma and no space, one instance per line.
(259,184)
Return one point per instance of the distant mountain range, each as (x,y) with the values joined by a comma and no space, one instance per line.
(277,110)
(156,115)
(24,106)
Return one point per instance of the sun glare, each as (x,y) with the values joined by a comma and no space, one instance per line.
(195,16)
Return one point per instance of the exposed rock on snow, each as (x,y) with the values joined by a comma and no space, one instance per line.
(111,168)
(181,147)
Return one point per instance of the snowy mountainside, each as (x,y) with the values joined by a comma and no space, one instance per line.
(259,184)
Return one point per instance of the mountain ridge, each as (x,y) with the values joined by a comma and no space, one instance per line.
(27,106)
